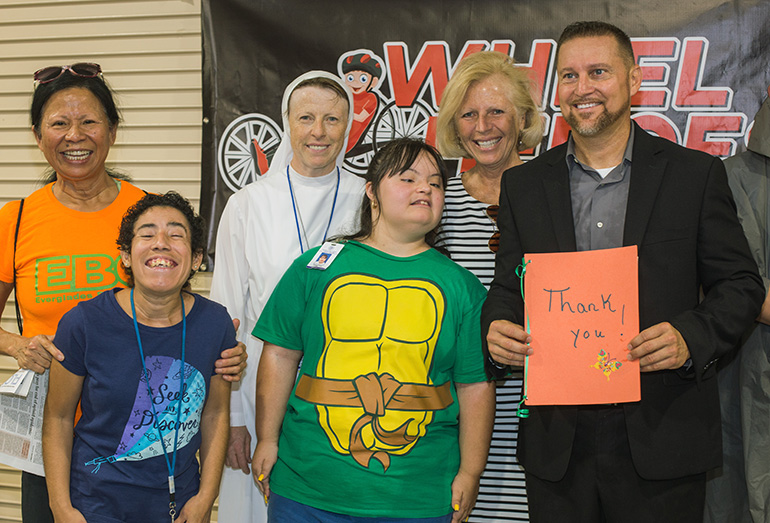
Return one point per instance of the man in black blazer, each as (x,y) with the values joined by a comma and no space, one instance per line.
(611,185)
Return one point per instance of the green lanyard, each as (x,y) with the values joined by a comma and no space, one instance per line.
(520,271)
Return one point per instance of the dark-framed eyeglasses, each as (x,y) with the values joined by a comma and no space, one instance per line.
(51,73)
(494,241)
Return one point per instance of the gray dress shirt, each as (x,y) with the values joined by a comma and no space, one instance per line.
(599,204)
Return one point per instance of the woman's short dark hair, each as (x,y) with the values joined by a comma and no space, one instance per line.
(67,80)
(393,159)
(173,200)
(100,89)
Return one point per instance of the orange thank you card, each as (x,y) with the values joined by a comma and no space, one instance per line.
(583,310)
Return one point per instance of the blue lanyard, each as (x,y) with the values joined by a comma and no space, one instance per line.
(296,215)
(170,465)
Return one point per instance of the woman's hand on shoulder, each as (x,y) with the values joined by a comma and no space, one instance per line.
(35,353)
(232,361)
(196,510)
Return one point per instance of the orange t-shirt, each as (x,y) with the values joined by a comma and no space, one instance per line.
(63,256)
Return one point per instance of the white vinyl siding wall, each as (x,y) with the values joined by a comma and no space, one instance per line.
(150,51)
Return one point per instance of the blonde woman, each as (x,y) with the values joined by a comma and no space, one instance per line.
(488,114)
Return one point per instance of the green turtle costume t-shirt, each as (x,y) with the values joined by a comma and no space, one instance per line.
(371,427)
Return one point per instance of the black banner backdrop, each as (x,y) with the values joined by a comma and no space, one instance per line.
(705,70)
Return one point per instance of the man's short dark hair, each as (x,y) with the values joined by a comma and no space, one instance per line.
(598,28)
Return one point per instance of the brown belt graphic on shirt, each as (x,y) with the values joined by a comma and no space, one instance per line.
(374,393)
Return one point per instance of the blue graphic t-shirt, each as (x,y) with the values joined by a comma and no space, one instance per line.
(119,472)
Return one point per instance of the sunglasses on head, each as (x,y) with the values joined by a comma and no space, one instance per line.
(84,69)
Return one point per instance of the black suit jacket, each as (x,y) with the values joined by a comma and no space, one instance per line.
(682,217)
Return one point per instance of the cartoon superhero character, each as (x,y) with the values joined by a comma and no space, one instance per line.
(362,72)
(372,390)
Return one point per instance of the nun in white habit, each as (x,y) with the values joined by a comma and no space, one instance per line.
(305,197)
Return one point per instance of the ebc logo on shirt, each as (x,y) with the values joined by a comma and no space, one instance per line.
(77,273)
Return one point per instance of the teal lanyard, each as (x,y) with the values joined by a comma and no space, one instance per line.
(170,465)
(296,214)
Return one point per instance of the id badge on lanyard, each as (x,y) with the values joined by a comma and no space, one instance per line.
(325,255)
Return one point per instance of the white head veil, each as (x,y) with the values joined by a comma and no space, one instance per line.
(284,153)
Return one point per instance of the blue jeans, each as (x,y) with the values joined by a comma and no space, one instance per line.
(284,510)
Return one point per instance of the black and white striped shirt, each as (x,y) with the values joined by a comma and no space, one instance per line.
(465,232)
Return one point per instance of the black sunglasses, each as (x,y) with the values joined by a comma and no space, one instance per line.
(84,69)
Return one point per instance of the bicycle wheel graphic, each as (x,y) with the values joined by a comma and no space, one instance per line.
(245,147)
(392,122)
(358,158)
(400,122)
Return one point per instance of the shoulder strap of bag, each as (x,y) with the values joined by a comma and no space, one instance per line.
(15,289)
